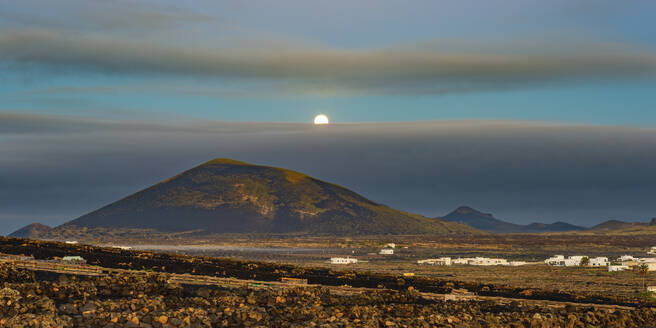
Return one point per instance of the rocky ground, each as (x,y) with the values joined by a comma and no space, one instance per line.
(267,271)
(147,300)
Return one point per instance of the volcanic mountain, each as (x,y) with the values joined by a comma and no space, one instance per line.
(227,196)
(487,222)
(31,230)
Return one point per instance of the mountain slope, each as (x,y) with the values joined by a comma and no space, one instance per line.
(618,225)
(487,222)
(479,220)
(224,195)
(31,230)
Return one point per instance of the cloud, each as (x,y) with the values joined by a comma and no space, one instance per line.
(63,167)
(431,67)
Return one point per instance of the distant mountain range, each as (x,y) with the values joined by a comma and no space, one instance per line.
(487,222)
(227,196)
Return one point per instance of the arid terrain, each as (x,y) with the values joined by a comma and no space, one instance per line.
(120,287)
(149,300)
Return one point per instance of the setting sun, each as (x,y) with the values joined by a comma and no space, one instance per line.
(321,119)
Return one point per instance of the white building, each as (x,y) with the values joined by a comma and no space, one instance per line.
(386,251)
(615,268)
(125,248)
(555,260)
(651,289)
(480,261)
(461,260)
(343,260)
(560,260)
(489,261)
(650,262)
(575,259)
(438,261)
(652,250)
(390,245)
(626,258)
(71,242)
(74,259)
(516,263)
(598,261)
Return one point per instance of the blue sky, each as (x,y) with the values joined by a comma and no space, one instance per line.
(43,80)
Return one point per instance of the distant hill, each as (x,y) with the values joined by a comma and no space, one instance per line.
(615,224)
(558,226)
(31,230)
(487,222)
(480,220)
(618,227)
(227,196)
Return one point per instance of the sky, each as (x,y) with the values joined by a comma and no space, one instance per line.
(557,97)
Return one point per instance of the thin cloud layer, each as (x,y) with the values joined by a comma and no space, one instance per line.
(430,67)
(61,168)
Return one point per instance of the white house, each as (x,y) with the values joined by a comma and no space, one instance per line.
(651,289)
(555,260)
(74,259)
(386,251)
(71,242)
(652,250)
(125,248)
(343,260)
(461,260)
(438,261)
(574,260)
(560,260)
(480,261)
(650,262)
(647,260)
(489,261)
(598,261)
(615,268)
(390,245)
(516,263)
(626,258)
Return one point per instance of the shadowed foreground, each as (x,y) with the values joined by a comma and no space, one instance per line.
(148,300)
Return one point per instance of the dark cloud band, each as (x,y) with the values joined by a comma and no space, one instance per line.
(59,168)
(432,67)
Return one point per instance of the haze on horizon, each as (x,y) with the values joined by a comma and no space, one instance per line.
(531,110)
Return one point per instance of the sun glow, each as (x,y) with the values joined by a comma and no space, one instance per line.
(321,119)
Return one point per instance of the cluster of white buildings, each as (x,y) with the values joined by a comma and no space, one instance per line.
(437,261)
(388,249)
(624,262)
(343,260)
(470,261)
(629,261)
(577,260)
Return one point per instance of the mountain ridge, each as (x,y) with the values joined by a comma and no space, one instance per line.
(228,196)
(487,222)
